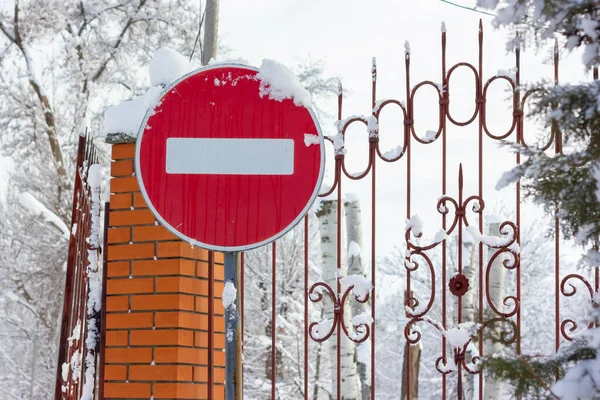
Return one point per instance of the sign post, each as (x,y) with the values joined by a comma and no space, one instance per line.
(226,168)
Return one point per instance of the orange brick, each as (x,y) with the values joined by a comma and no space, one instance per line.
(163,267)
(219,375)
(129,356)
(160,373)
(117,338)
(131,217)
(219,324)
(123,185)
(115,372)
(122,151)
(181,249)
(130,251)
(119,235)
(181,320)
(202,270)
(161,337)
(150,233)
(133,285)
(201,374)
(117,303)
(168,355)
(120,201)
(121,268)
(218,392)
(180,391)
(181,284)
(129,320)
(218,288)
(202,306)
(138,201)
(201,340)
(163,302)
(219,358)
(121,168)
(127,390)
(218,258)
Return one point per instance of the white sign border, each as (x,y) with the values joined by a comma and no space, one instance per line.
(194,242)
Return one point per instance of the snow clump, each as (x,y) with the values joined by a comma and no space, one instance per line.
(279,83)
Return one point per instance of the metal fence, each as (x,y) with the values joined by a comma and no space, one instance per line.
(439,306)
(73,362)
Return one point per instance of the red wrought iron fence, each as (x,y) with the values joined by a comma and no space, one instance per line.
(320,332)
(79,338)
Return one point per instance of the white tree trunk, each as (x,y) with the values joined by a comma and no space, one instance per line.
(492,387)
(328,216)
(356,267)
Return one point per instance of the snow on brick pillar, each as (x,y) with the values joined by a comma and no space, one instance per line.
(157,314)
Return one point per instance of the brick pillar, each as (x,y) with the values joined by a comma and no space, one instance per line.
(157,305)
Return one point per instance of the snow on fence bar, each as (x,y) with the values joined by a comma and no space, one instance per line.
(78,348)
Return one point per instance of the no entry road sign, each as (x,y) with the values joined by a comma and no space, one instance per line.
(225,167)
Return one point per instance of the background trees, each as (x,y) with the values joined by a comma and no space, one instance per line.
(61,64)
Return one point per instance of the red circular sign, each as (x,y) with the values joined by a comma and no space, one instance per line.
(225,168)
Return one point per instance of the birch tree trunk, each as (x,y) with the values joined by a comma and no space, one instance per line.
(492,387)
(356,267)
(468,307)
(328,225)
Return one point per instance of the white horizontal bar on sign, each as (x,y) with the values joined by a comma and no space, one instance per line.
(211,156)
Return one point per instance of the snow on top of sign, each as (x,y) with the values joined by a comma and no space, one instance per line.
(166,66)
(310,139)
(127,117)
(278,83)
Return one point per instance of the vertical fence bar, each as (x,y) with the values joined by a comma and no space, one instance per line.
(305,336)
(373,158)
(241,294)
(102,339)
(445,98)
(557,150)
(480,192)
(407,126)
(273,321)
(211,324)
(519,116)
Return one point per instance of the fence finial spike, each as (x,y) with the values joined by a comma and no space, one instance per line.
(340,90)
(443,27)
(480,25)
(555,46)
(406,48)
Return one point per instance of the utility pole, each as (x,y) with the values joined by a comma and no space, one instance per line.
(211,31)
